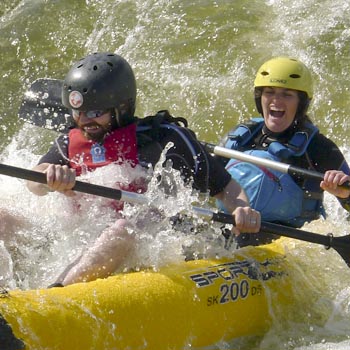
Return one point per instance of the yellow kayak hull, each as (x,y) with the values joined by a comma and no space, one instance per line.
(189,304)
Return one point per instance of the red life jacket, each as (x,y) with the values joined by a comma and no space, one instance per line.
(119,147)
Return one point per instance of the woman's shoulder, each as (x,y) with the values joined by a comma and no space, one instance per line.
(321,140)
(325,153)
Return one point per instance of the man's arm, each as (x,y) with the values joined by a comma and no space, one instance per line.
(36,187)
(59,178)
(56,167)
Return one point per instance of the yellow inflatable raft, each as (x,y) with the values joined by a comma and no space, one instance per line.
(191,304)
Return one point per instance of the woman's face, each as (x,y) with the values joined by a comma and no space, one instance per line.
(279,107)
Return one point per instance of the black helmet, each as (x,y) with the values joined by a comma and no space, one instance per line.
(101,81)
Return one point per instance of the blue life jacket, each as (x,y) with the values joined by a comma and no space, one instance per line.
(276,195)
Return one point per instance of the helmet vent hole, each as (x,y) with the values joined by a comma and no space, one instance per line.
(110,64)
(264,73)
(95,67)
(295,76)
(80,65)
(85,90)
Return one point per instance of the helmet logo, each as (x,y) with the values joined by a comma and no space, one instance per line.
(280,81)
(76,99)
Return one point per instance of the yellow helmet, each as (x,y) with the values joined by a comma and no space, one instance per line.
(287,73)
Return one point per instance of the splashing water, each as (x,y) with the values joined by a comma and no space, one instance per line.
(61,228)
(197,59)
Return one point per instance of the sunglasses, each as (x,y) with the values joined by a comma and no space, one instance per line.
(89,114)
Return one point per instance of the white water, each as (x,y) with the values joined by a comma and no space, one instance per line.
(55,233)
(197,58)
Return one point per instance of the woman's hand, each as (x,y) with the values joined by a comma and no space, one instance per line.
(332,181)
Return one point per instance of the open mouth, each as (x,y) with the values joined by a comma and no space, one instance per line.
(92,128)
(277,113)
(94,132)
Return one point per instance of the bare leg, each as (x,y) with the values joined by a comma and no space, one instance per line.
(9,223)
(107,254)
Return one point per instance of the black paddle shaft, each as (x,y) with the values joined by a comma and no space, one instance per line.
(80,186)
(340,244)
(293,170)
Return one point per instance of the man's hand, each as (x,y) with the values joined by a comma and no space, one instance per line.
(247,220)
(60,178)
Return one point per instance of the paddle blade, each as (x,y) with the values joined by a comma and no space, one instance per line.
(342,246)
(42,106)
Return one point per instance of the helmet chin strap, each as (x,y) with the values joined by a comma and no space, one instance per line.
(115,123)
(121,119)
(303,106)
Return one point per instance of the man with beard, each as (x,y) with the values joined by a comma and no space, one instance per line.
(100,90)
